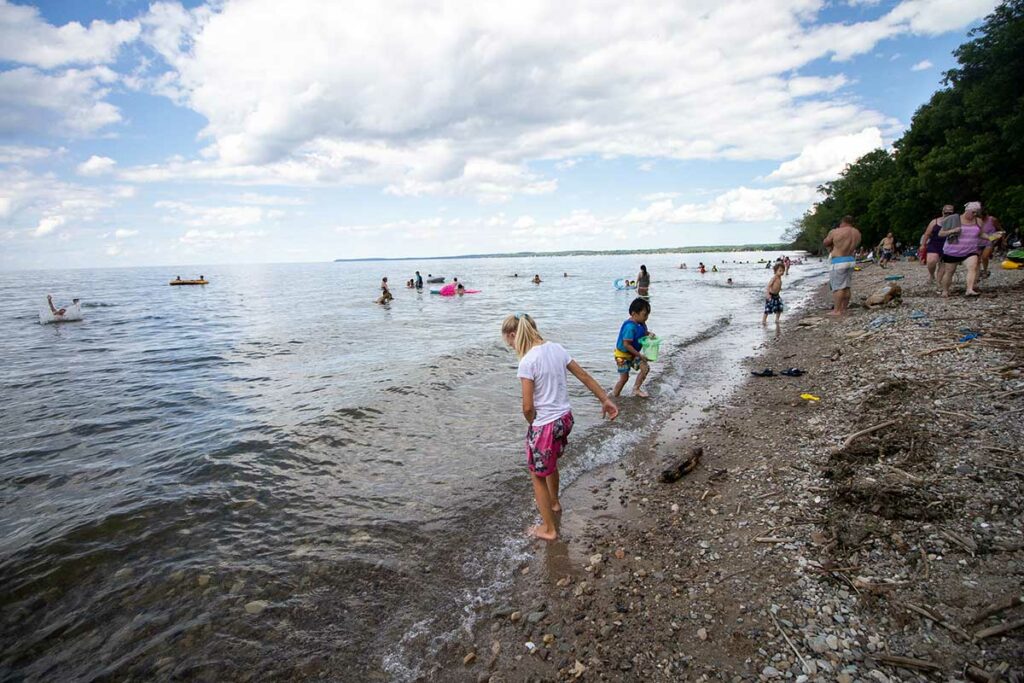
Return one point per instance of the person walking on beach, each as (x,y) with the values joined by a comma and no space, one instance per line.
(628,355)
(887,246)
(933,243)
(643,281)
(542,376)
(964,239)
(842,243)
(772,300)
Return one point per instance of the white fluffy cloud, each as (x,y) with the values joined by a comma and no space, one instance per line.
(47,225)
(23,154)
(123,233)
(824,160)
(26,38)
(923,65)
(460,98)
(26,197)
(215,216)
(67,103)
(96,165)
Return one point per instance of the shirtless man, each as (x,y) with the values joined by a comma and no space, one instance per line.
(842,243)
(888,246)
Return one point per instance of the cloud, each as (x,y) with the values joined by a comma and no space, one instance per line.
(122,233)
(346,93)
(20,154)
(922,65)
(206,238)
(215,216)
(824,160)
(40,195)
(69,103)
(658,196)
(28,39)
(270,199)
(739,205)
(47,225)
(96,165)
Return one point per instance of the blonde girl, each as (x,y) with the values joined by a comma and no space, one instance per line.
(542,373)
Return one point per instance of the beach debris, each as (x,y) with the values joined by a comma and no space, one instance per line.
(683,467)
(469,659)
(881,321)
(884,295)
(864,432)
(999,629)
(530,646)
(810,397)
(992,610)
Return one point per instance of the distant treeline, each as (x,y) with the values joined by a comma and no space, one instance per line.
(965,144)
(576,252)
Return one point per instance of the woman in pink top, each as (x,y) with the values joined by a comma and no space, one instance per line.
(989,227)
(963,241)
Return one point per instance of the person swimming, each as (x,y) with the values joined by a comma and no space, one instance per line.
(536,279)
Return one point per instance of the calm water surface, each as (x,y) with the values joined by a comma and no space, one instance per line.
(275,436)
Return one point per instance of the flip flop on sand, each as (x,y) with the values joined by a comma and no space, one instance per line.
(792,372)
(767,372)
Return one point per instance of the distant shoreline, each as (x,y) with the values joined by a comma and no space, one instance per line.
(580,252)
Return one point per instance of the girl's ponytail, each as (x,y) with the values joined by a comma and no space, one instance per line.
(524,332)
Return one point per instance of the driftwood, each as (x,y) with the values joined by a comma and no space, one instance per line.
(909,662)
(998,629)
(869,430)
(996,609)
(682,468)
(929,613)
(976,675)
(788,641)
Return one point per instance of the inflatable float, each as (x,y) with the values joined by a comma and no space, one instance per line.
(72,313)
(449,290)
(435,280)
(189,282)
(623,283)
(1017,256)
(1010,265)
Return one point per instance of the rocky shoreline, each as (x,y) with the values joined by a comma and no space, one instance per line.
(794,551)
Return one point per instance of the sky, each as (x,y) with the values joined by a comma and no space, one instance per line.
(249,131)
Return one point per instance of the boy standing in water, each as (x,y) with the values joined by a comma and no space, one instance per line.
(627,347)
(772,300)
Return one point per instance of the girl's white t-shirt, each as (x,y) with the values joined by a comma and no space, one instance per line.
(545,364)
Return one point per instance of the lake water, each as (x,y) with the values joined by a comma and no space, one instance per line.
(275,436)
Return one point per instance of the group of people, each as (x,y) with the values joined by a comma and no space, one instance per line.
(543,370)
(954,238)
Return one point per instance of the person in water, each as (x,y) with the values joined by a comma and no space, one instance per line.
(714,269)
(729,281)
(460,290)
(772,300)
(682,266)
(545,395)
(177,279)
(419,280)
(628,355)
(643,281)
(536,279)
(701,268)
(385,291)
(53,309)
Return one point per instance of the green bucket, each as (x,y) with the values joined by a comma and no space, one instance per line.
(649,347)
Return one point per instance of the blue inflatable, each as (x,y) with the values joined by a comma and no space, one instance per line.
(621,283)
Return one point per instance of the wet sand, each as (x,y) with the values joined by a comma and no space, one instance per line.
(787,554)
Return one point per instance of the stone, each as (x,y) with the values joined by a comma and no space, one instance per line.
(515,616)
(702,633)
(469,659)
(203,580)
(256,607)
(832,642)
(596,558)
(818,644)
(771,672)
(534,617)
(844,677)
(500,612)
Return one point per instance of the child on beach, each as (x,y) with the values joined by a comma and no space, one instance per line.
(628,355)
(542,373)
(772,300)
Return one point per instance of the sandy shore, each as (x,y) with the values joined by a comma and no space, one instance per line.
(787,554)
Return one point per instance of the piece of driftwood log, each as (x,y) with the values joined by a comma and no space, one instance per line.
(929,613)
(869,430)
(681,469)
(976,675)
(998,629)
(995,609)
(908,662)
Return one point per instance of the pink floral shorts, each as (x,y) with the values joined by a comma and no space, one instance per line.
(544,445)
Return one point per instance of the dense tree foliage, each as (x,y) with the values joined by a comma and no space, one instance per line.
(966,143)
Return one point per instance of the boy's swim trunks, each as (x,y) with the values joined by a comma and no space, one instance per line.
(544,445)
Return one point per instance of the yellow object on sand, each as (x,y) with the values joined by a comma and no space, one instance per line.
(810,397)
(1010,265)
(857,268)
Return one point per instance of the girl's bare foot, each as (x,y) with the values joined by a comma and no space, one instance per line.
(539,532)
(641,393)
